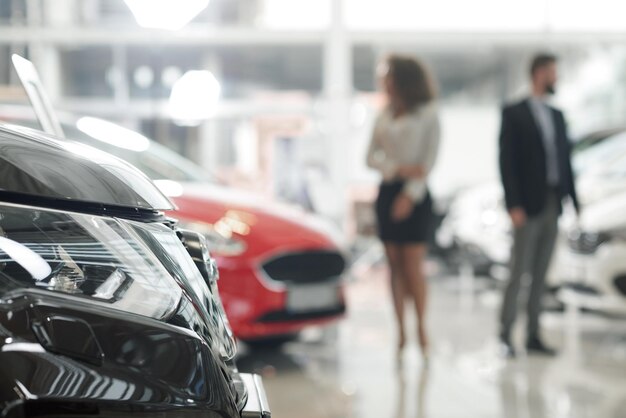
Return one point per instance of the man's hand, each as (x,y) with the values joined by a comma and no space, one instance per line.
(411,172)
(402,208)
(518,217)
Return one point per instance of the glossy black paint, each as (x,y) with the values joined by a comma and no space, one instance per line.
(33,163)
(146,366)
(197,248)
(208,317)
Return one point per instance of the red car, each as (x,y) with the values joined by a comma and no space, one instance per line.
(281,269)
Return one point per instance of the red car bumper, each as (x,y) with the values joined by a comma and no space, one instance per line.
(258,307)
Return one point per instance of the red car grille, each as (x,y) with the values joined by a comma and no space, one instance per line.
(306,267)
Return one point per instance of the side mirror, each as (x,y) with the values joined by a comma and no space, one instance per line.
(198,249)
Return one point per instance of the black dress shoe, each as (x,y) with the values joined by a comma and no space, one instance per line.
(536,346)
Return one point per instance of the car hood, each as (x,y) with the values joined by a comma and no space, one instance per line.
(605,214)
(33,163)
(595,187)
(272,226)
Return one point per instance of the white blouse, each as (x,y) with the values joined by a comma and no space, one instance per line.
(411,139)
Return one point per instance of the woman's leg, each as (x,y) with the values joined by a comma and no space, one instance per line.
(413,257)
(398,289)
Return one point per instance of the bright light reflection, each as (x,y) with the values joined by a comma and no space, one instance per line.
(32,262)
(170,188)
(111,285)
(165,14)
(194,97)
(23,347)
(113,134)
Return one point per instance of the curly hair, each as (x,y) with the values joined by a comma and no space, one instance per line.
(412,82)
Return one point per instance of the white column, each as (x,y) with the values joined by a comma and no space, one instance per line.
(209,147)
(60,13)
(337,92)
(119,77)
(44,56)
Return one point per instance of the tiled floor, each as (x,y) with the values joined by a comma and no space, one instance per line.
(350,370)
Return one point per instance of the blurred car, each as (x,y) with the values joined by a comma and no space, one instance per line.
(103,310)
(477,221)
(603,170)
(594,138)
(593,269)
(478,226)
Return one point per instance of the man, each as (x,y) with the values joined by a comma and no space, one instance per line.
(536,174)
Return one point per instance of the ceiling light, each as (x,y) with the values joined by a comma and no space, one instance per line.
(194,97)
(165,14)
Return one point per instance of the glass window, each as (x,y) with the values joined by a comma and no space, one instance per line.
(151,72)
(245,71)
(155,161)
(87,71)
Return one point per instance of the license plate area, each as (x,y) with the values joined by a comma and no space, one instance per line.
(312,297)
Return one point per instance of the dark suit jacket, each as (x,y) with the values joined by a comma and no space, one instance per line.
(523,159)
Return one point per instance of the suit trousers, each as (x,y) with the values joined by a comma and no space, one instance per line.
(533,245)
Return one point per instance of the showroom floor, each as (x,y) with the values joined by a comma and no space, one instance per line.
(350,370)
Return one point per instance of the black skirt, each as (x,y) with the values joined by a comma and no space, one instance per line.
(418,228)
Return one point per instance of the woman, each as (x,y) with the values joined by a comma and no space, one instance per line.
(404,148)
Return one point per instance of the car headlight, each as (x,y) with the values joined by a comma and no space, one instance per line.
(85,256)
(220,241)
(135,267)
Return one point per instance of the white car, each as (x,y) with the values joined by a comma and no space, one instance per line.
(593,267)
(479,225)
(605,179)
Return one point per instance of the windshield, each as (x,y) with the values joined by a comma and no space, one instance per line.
(155,160)
(82,255)
(601,153)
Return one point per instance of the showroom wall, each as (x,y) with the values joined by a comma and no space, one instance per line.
(306,73)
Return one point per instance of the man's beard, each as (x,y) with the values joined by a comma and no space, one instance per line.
(550,89)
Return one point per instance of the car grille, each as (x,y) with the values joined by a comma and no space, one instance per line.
(287,316)
(306,267)
(586,243)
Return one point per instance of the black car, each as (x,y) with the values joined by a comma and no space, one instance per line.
(106,307)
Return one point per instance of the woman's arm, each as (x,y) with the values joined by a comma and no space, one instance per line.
(376,157)
(409,172)
(416,187)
